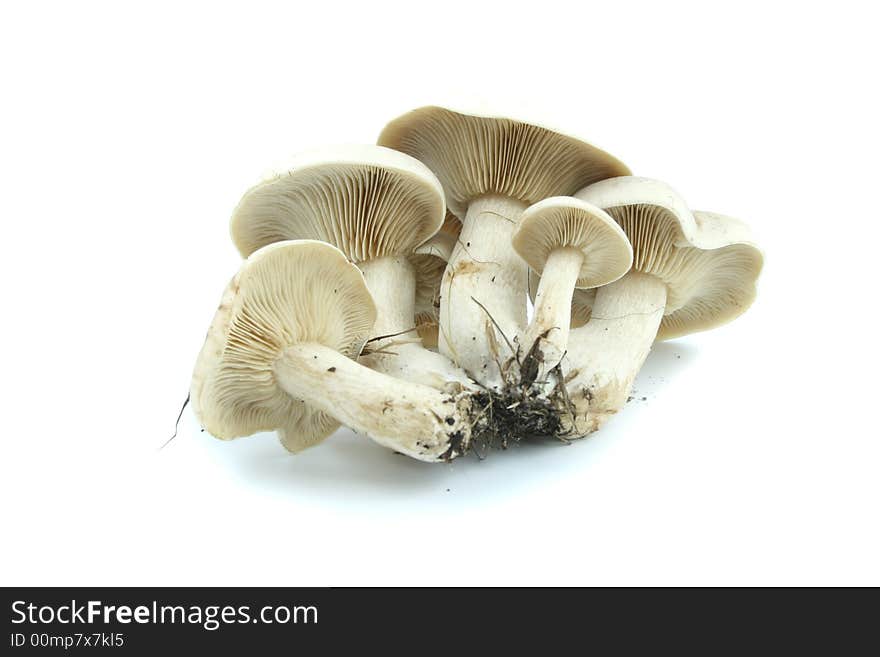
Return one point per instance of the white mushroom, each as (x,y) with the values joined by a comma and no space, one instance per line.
(491,169)
(379,207)
(572,244)
(281,348)
(691,272)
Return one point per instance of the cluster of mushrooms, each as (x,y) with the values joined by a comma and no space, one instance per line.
(362,301)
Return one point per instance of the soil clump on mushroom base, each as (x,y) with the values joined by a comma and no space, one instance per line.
(522,410)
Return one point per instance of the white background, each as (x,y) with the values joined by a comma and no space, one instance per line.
(127,137)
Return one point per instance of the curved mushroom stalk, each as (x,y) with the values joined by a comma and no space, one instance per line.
(413,419)
(546,338)
(606,354)
(483,291)
(396,348)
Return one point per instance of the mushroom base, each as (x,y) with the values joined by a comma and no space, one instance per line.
(531,405)
(516,415)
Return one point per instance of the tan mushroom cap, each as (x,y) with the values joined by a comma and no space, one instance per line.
(709,263)
(451,225)
(429,272)
(564,222)
(727,283)
(581,301)
(428,328)
(480,155)
(429,262)
(368,201)
(285,293)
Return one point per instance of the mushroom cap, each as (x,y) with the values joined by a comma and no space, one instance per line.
(451,225)
(429,273)
(707,261)
(429,263)
(563,222)
(581,301)
(428,329)
(440,246)
(368,201)
(476,155)
(727,280)
(284,294)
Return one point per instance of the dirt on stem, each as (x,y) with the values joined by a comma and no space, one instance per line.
(523,410)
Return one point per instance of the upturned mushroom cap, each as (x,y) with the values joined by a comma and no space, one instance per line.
(727,283)
(582,306)
(581,301)
(479,155)
(368,201)
(564,222)
(428,329)
(284,294)
(451,225)
(708,261)
(429,263)
(429,272)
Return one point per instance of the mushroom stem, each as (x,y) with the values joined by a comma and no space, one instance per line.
(413,419)
(608,351)
(392,282)
(484,268)
(552,317)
